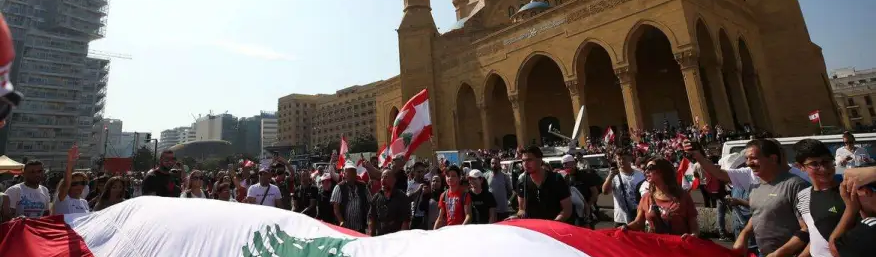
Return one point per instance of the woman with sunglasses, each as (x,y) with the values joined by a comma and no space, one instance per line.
(666,206)
(194,186)
(113,192)
(70,188)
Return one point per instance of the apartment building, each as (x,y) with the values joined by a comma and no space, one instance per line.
(269,131)
(854,92)
(313,120)
(172,137)
(65,89)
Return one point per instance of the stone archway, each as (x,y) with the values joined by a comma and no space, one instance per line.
(711,78)
(752,88)
(499,121)
(469,128)
(603,100)
(545,95)
(660,85)
(733,83)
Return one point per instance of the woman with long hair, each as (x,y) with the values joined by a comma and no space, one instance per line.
(113,192)
(70,188)
(194,186)
(666,206)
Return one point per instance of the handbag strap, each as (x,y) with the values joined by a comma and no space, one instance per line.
(623,188)
(265,196)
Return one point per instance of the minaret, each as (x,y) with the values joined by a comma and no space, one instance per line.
(416,38)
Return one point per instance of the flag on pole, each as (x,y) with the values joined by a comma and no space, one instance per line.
(150,226)
(412,126)
(685,175)
(609,136)
(383,156)
(342,154)
(815,116)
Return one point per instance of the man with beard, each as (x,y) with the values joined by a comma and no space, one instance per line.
(500,186)
(160,181)
(29,199)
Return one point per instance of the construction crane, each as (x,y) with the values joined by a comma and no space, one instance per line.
(107,55)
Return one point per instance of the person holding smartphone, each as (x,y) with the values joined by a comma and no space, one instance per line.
(622,183)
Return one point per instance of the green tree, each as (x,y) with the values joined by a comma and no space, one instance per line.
(366,143)
(143,159)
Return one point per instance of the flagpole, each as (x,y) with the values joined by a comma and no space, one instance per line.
(820,126)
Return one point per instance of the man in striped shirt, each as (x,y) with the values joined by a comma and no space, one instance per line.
(350,200)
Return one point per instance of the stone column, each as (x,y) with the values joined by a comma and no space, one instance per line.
(719,96)
(577,104)
(485,124)
(627,79)
(519,117)
(740,103)
(696,96)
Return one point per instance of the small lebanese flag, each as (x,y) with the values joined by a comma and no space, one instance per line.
(383,157)
(685,174)
(342,154)
(609,135)
(815,116)
(150,226)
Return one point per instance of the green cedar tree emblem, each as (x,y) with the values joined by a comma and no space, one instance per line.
(282,244)
(407,137)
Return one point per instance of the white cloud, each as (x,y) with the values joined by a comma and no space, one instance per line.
(253,50)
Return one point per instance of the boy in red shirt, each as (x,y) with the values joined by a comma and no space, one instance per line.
(454,205)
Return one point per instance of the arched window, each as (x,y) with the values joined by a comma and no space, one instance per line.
(511,11)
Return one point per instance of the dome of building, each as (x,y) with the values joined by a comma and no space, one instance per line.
(535,5)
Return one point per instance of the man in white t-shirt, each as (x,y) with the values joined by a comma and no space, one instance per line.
(264,193)
(29,198)
(850,155)
(622,183)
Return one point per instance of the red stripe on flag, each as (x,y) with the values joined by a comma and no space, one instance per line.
(48,236)
(613,242)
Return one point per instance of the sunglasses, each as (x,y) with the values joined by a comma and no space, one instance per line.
(79,183)
(651,167)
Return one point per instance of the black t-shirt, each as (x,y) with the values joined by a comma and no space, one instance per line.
(543,202)
(160,184)
(859,241)
(325,210)
(480,206)
(583,181)
(826,208)
(302,197)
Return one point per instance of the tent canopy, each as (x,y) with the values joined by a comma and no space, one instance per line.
(8,165)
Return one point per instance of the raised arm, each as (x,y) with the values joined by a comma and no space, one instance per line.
(72,155)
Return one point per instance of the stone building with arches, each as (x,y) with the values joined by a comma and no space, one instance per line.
(508,69)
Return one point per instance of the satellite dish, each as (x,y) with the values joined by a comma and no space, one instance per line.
(551,127)
(576,132)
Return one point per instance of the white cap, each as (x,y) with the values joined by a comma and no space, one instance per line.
(350,165)
(475,174)
(568,158)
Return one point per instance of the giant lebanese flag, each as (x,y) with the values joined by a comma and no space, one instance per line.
(151,226)
(412,126)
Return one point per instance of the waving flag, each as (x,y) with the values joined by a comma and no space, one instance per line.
(151,226)
(383,156)
(609,136)
(685,174)
(342,154)
(815,116)
(412,126)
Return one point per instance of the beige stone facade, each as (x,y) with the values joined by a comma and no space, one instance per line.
(313,120)
(854,92)
(501,76)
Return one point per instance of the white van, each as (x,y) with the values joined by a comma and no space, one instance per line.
(834,142)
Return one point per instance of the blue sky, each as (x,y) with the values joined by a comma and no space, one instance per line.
(194,56)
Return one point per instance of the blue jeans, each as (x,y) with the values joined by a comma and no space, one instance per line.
(721,209)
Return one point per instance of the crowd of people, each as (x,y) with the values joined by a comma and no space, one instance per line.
(778,209)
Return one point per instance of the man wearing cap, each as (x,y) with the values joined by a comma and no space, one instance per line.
(350,200)
(264,193)
(584,183)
